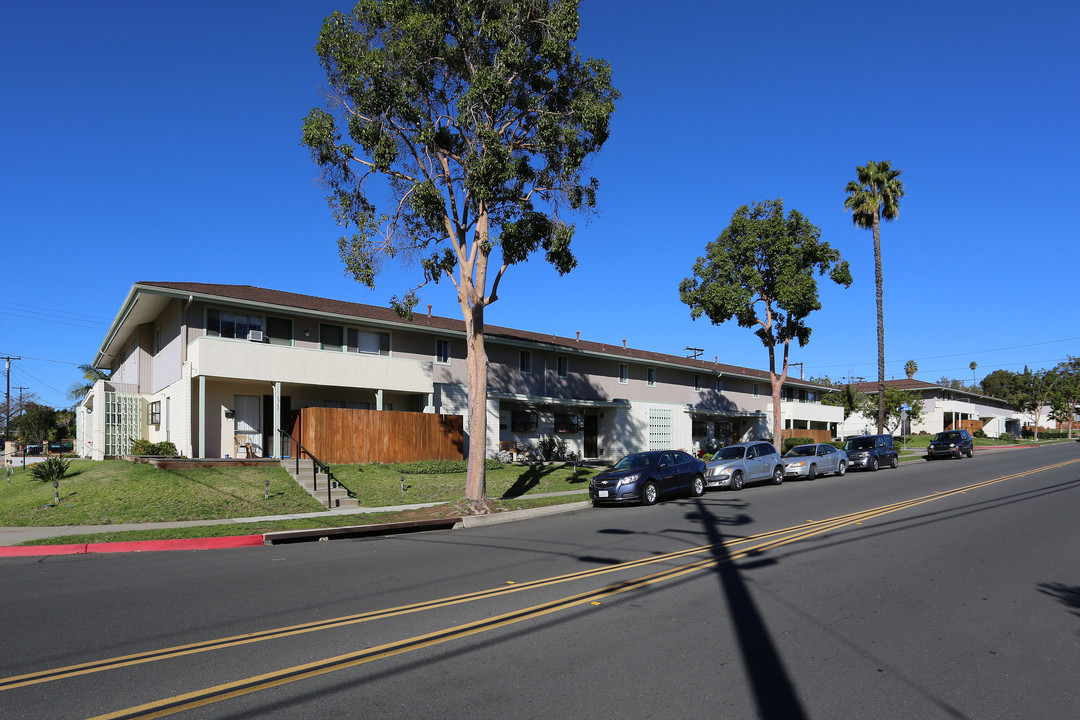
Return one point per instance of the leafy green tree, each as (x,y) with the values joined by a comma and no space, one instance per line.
(951,383)
(90,375)
(1031,392)
(36,422)
(910,368)
(478,117)
(894,398)
(1066,392)
(848,398)
(999,384)
(761,271)
(875,195)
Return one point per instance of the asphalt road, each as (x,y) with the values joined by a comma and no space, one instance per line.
(939,590)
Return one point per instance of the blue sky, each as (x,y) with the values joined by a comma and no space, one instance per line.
(160,141)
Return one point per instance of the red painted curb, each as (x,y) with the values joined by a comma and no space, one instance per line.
(211,543)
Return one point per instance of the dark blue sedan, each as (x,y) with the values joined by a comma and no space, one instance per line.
(643,477)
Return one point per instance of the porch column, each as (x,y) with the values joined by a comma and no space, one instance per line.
(277,420)
(202,416)
(378,399)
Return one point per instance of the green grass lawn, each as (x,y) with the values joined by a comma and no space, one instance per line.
(115,491)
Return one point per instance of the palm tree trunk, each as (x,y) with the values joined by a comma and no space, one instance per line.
(880,327)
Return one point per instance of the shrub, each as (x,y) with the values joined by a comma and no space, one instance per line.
(793,441)
(142,447)
(551,447)
(145,447)
(50,470)
(980,434)
(1008,437)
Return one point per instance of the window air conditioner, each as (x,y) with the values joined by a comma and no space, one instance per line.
(255,335)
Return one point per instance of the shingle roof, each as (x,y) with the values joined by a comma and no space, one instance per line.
(913,384)
(311,303)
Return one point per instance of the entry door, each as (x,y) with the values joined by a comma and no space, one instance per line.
(249,420)
(592,432)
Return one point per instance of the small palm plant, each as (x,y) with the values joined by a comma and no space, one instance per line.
(50,470)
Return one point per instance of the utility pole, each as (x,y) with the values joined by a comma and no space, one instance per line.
(7,414)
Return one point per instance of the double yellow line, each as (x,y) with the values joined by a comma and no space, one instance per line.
(746,546)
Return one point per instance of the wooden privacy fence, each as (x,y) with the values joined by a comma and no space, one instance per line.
(819,436)
(345,436)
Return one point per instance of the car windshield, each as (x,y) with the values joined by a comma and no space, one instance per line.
(948,436)
(730,453)
(631,462)
(801,451)
(863,443)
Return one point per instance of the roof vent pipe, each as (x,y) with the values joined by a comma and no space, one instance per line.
(624,343)
(579,336)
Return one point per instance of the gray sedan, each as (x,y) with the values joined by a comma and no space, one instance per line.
(809,461)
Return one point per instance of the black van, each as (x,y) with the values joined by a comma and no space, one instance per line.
(869,452)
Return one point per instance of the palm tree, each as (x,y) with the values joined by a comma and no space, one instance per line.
(910,368)
(90,375)
(974,382)
(874,195)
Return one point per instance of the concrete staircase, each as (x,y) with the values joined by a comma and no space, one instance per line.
(339,496)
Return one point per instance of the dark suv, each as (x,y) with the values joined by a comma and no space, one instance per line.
(951,443)
(869,452)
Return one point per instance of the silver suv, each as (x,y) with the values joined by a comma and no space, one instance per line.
(735,465)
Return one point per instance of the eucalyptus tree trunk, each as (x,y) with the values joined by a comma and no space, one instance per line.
(880,327)
(476,364)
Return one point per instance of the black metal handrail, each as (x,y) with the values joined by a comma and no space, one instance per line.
(316,465)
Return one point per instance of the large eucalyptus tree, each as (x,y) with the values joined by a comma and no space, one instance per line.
(875,195)
(478,117)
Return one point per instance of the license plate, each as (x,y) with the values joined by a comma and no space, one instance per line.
(602,493)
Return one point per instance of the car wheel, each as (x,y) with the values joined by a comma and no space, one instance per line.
(777,475)
(874,465)
(971,453)
(842,469)
(650,494)
(736,481)
(895,462)
(697,487)
(812,472)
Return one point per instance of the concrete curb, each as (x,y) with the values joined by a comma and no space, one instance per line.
(212,543)
(274,538)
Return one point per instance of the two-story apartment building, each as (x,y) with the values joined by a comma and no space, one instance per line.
(944,409)
(206,366)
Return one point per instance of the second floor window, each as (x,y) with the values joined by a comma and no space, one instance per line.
(368,342)
(562,366)
(227,324)
(624,373)
(442,351)
(652,377)
(279,331)
(525,361)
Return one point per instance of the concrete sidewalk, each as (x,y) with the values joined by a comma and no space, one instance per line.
(14,535)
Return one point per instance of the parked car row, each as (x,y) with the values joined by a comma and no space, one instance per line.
(645,477)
